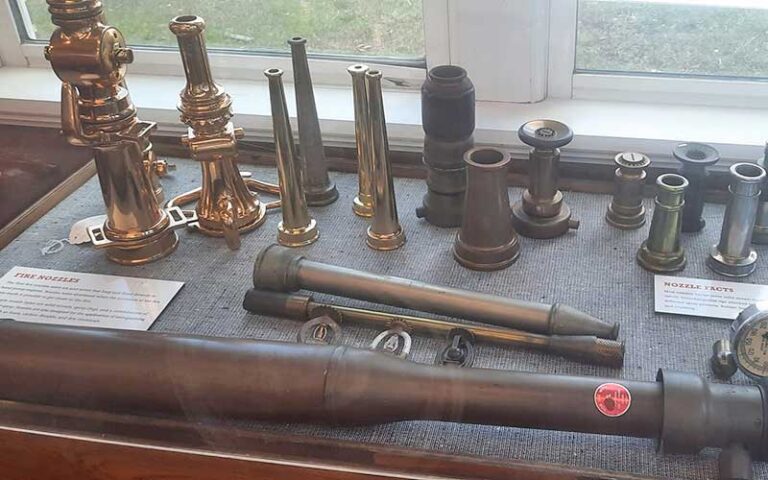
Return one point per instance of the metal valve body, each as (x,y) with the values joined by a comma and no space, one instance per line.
(695,159)
(734,256)
(662,252)
(626,210)
(542,213)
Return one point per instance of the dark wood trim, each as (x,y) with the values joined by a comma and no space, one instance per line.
(46,203)
(48,443)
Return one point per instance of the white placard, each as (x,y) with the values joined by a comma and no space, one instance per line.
(705,298)
(83,299)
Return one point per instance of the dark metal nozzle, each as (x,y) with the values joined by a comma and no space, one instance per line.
(487,240)
(695,159)
(662,251)
(282,270)
(318,187)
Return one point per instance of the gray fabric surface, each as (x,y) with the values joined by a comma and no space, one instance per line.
(592,269)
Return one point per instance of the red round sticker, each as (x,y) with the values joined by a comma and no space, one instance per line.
(612,399)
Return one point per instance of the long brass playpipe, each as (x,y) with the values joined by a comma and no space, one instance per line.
(282,270)
(583,348)
(200,378)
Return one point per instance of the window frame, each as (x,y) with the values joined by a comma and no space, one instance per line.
(566,82)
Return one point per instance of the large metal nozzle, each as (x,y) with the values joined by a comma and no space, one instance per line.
(298,228)
(448,119)
(96,109)
(542,213)
(319,189)
(487,240)
(205,379)
(696,158)
(226,207)
(662,251)
(279,269)
(734,256)
(385,232)
(626,210)
(362,205)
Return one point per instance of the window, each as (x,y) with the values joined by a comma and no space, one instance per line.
(724,38)
(390,29)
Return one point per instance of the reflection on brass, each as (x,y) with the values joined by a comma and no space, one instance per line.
(760,232)
(582,348)
(298,228)
(282,270)
(318,188)
(542,213)
(487,240)
(385,232)
(662,252)
(734,256)
(226,206)
(695,159)
(96,111)
(626,210)
(362,205)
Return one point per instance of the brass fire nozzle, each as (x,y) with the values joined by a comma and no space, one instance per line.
(97,112)
(226,207)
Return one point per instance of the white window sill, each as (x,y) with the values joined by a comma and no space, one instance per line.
(30,96)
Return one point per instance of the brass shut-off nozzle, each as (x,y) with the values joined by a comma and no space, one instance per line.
(226,207)
(97,112)
(298,228)
(626,210)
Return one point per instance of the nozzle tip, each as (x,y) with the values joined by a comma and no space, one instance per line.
(187,25)
(273,73)
(297,41)
(357,69)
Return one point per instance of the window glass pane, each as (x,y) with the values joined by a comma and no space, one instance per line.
(696,37)
(392,28)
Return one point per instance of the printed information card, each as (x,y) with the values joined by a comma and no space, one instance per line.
(705,298)
(83,299)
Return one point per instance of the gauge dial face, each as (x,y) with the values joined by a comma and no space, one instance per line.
(752,348)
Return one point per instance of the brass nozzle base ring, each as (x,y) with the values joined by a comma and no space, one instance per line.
(728,268)
(214,229)
(297,237)
(486,259)
(155,248)
(625,222)
(660,263)
(542,227)
(362,207)
(385,242)
(321,197)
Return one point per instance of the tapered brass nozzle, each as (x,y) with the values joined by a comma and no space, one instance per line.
(487,240)
(226,206)
(362,204)
(385,232)
(626,210)
(298,228)
(662,251)
(318,187)
(97,112)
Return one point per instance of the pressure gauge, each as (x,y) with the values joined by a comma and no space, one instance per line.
(749,337)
